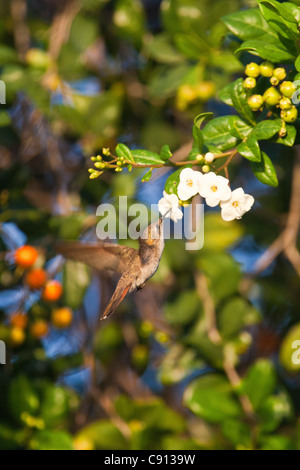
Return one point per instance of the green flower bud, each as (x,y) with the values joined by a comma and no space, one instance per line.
(252,70)
(279,73)
(255,102)
(272,96)
(200,158)
(289,115)
(249,83)
(274,81)
(285,103)
(287,89)
(266,69)
(206,168)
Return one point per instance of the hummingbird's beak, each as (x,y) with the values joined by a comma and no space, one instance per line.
(165,215)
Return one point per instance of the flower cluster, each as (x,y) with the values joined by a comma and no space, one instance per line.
(213,188)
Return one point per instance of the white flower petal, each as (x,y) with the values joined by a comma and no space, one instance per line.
(228,214)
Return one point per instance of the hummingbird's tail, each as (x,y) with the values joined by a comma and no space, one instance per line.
(119,294)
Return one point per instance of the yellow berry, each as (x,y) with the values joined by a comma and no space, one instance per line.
(252,70)
(266,69)
(272,96)
(255,102)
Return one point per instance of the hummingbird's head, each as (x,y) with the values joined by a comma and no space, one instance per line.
(154,232)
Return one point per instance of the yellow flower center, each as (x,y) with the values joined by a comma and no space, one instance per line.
(214,189)
(235,204)
(189,183)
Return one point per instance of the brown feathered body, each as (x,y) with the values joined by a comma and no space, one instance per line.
(135,266)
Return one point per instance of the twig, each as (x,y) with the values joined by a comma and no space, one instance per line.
(18,10)
(60,29)
(209,307)
(235,380)
(286,242)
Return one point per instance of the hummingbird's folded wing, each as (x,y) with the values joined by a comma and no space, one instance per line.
(101,256)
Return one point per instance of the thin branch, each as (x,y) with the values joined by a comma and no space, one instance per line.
(286,242)
(235,380)
(18,9)
(61,27)
(209,307)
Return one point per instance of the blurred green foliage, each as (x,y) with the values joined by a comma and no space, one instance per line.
(160,375)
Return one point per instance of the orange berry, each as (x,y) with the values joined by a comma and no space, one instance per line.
(26,256)
(36,278)
(17,336)
(39,329)
(52,291)
(62,317)
(19,320)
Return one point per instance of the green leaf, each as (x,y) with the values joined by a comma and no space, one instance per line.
(55,404)
(76,279)
(173,310)
(173,182)
(161,49)
(210,397)
(290,137)
(51,440)
(250,148)
(178,363)
(247,24)
(274,410)
(147,176)
(239,101)
(291,15)
(123,151)
(198,121)
(297,63)
(289,355)
(220,235)
(5,119)
(166,79)
(7,55)
(265,130)
(198,143)
(238,433)
(260,382)
(165,153)
(219,134)
(22,397)
(129,19)
(270,11)
(278,442)
(265,171)
(235,315)
(145,157)
(268,50)
(222,271)
(235,95)
(104,435)
(153,412)
(189,45)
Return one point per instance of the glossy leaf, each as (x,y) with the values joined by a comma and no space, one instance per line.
(210,397)
(265,171)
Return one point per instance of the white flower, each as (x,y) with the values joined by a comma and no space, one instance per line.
(214,188)
(237,205)
(169,207)
(189,184)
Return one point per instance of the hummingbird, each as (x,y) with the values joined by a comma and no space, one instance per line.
(135,266)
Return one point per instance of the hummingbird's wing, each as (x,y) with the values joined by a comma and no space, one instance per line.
(101,256)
